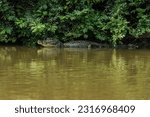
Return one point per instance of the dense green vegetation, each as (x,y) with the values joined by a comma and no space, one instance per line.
(109,21)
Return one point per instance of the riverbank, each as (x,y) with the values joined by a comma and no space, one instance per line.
(126,43)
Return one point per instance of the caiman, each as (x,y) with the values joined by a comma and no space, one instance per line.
(70,44)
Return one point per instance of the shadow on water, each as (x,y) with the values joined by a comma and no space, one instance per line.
(53,73)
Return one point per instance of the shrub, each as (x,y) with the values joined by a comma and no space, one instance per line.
(103,20)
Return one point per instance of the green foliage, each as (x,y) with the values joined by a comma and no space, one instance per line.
(117,24)
(7,16)
(103,20)
(143,25)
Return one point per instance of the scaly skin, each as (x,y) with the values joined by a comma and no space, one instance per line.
(82,44)
(50,43)
(71,44)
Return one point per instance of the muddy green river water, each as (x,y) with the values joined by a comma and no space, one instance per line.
(53,73)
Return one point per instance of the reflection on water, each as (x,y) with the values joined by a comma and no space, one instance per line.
(27,73)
